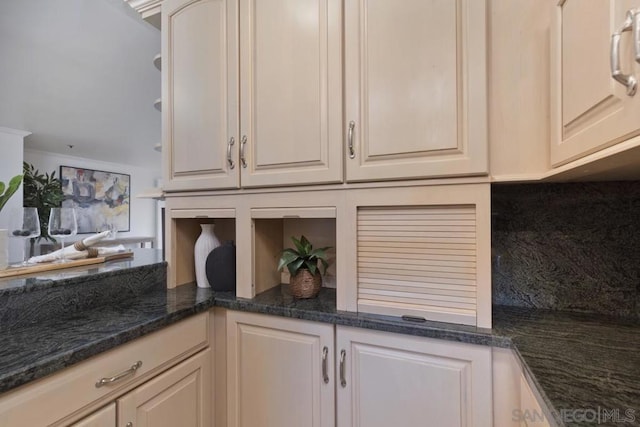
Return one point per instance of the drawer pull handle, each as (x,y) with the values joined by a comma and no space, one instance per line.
(343,377)
(129,424)
(325,373)
(132,370)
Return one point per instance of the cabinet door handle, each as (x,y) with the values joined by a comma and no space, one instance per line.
(110,380)
(627,80)
(230,144)
(343,376)
(636,34)
(352,152)
(325,362)
(243,142)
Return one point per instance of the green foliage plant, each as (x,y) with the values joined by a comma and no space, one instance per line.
(6,191)
(304,257)
(42,191)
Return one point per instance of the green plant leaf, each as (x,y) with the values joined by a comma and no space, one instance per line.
(325,264)
(306,244)
(288,256)
(14,184)
(299,245)
(319,253)
(295,266)
(312,266)
(2,187)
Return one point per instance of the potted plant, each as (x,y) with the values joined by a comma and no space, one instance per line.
(42,191)
(302,263)
(6,191)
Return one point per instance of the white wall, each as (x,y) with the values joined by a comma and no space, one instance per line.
(11,147)
(143,211)
(81,72)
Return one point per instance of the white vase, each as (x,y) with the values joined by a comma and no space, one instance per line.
(4,249)
(204,245)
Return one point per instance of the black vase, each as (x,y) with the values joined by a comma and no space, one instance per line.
(221,268)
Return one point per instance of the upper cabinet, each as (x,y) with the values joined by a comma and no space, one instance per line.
(200,94)
(285,60)
(291,86)
(253,91)
(415,88)
(593,76)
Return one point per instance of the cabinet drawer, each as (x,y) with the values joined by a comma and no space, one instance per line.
(69,391)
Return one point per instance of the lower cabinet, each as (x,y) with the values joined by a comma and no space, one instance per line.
(389,379)
(105,417)
(161,379)
(178,397)
(287,373)
(279,372)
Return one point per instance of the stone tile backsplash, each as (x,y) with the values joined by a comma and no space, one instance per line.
(571,246)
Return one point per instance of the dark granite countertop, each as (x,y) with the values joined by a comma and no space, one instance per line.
(32,352)
(575,361)
(583,365)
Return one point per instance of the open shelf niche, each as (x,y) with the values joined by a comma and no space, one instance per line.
(187,230)
(272,231)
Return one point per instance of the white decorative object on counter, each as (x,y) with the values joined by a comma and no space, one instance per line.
(71,252)
(204,245)
(4,249)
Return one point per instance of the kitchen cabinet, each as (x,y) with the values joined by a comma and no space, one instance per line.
(531,411)
(590,110)
(140,373)
(105,417)
(254,91)
(285,61)
(514,400)
(178,397)
(200,94)
(390,379)
(415,89)
(279,372)
(291,92)
(419,251)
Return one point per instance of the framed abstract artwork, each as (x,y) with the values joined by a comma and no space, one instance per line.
(101,199)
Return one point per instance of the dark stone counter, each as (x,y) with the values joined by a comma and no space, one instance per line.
(576,361)
(32,352)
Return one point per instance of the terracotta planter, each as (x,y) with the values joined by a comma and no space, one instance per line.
(305,285)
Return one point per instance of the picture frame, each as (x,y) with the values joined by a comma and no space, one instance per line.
(102,199)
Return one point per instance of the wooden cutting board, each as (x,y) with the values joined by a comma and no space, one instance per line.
(50,266)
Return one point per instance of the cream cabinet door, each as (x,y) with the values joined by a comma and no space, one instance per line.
(415,88)
(200,94)
(396,380)
(180,396)
(531,413)
(589,109)
(279,372)
(105,417)
(291,91)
